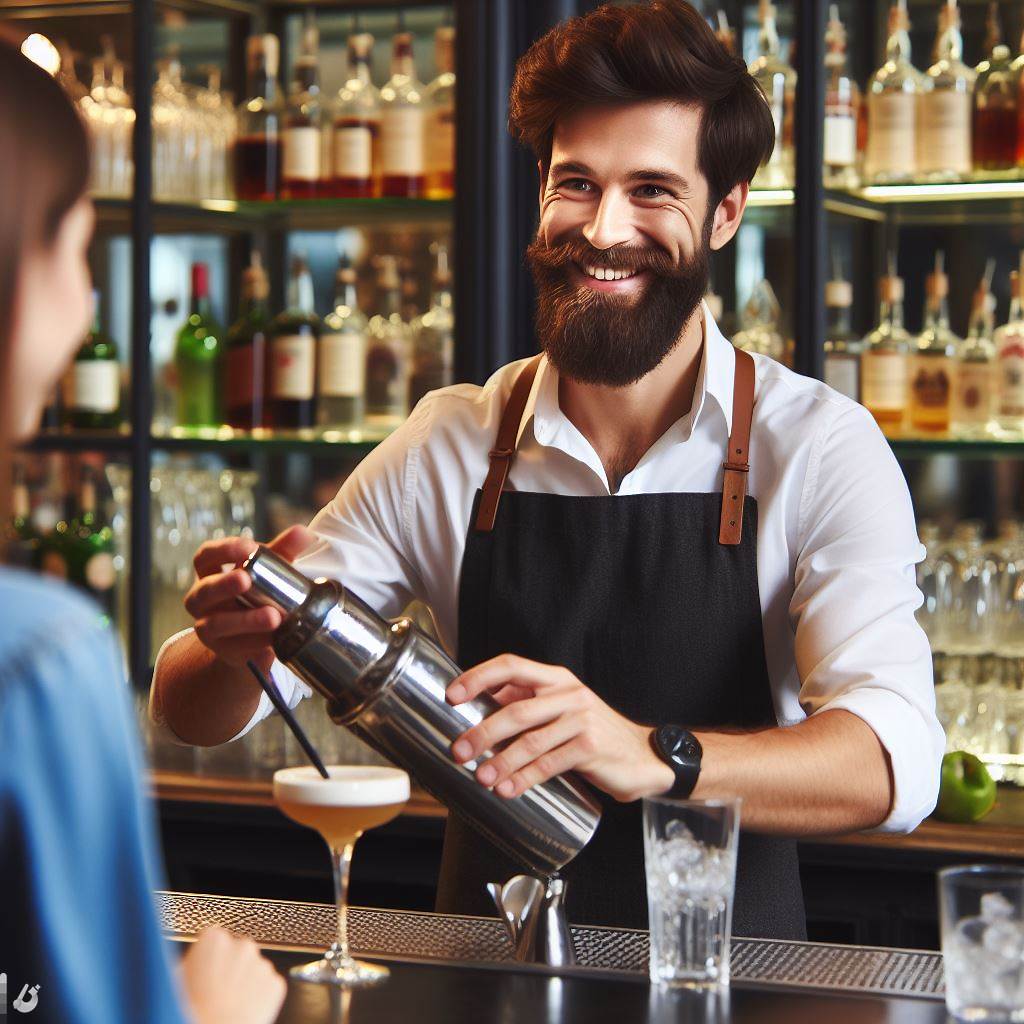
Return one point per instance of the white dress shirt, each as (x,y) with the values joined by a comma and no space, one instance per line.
(836,541)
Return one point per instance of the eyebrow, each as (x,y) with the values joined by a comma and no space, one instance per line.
(645,174)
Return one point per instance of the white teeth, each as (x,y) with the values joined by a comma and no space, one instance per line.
(605,274)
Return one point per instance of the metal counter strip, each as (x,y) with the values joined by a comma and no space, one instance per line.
(482,942)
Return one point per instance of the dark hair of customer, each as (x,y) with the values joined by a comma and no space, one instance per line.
(656,51)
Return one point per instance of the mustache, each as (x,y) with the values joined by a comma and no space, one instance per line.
(625,257)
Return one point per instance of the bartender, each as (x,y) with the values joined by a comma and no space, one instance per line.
(682,570)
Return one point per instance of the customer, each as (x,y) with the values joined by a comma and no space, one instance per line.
(78,849)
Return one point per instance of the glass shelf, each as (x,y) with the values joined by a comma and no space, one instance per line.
(953,203)
(112,441)
(920,447)
(357,441)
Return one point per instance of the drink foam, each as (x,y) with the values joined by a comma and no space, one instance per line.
(348,786)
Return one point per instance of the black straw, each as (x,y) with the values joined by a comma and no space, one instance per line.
(286,713)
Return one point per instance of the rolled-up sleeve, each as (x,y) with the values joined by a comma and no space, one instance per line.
(858,645)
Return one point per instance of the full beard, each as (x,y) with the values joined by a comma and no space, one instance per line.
(613,339)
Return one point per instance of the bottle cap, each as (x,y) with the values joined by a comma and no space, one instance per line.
(937,285)
(402,44)
(254,279)
(839,294)
(200,280)
(444,48)
(891,289)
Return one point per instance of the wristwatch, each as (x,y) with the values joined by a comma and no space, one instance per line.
(681,751)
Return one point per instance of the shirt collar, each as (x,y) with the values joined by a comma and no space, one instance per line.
(714,379)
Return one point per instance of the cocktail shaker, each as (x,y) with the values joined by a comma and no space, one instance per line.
(386,682)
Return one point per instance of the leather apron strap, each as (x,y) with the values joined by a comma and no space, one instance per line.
(737,463)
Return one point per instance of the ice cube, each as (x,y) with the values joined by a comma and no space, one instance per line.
(677,829)
(1005,939)
(994,905)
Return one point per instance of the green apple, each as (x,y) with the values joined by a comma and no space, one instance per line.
(967,791)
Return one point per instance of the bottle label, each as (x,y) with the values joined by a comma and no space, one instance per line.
(884,380)
(441,141)
(840,140)
(386,381)
(841,373)
(95,385)
(944,139)
(239,384)
(292,362)
(1011,376)
(353,152)
(100,572)
(891,134)
(401,145)
(974,392)
(302,152)
(342,364)
(931,383)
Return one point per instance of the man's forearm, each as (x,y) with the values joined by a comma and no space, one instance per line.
(826,775)
(201,699)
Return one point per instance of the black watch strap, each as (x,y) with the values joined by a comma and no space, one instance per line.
(681,751)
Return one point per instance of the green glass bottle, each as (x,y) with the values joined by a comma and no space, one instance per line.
(22,548)
(90,547)
(197,358)
(92,387)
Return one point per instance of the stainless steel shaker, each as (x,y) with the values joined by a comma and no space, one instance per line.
(386,682)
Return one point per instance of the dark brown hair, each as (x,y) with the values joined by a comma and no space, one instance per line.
(44,170)
(660,50)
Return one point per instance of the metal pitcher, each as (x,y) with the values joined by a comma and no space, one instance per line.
(386,682)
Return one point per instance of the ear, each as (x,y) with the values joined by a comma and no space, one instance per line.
(729,215)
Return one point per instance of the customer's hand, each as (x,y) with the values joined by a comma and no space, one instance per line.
(225,980)
(236,634)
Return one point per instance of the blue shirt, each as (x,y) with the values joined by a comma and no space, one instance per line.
(78,851)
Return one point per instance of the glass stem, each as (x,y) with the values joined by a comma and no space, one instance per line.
(341,860)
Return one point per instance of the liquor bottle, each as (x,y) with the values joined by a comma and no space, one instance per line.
(1009,341)
(885,359)
(893,92)
(933,358)
(260,119)
(842,347)
(246,353)
(92,392)
(197,358)
(402,124)
(842,105)
(303,175)
(409,308)
(434,335)
(974,384)
(294,333)
(759,322)
(89,548)
(994,127)
(778,83)
(944,140)
(341,359)
(439,100)
(724,32)
(356,140)
(387,358)
(22,548)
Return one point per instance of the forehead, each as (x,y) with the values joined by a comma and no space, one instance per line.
(615,139)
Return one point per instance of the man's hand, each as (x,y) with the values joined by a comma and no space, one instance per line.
(554,725)
(236,634)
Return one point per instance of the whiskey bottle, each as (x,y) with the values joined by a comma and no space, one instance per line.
(439,100)
(777,80)
(257,150)
(356,140)
(89,547)
(842,105)
(893,92)
(341,360)
(92,385)
(433,335)
(402,124)
(387,358)
(885,359)
(246,355)
(303,175)
(994,126)
(294,333)
(197,358)
(1009,341)
(933,358)
(842,346)
(974,390)
(944,140)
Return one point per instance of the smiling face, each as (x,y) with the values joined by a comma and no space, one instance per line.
(621,256)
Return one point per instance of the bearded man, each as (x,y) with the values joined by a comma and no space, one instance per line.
(681,569)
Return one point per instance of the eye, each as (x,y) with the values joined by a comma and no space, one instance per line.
(657,193)
(574,184)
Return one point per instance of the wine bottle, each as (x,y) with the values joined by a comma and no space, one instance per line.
(246,353)
(885,360)
(341,359)
(90,547)
(92,392)
(439,100)
(257,149)
(402,123)
(197,358)
(356,142)
(294,333)
(303,175)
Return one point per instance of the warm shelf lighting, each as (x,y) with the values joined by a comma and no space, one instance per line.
(41,51)
(770,197)
(942,193)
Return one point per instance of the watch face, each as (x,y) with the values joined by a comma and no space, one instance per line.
(678,743)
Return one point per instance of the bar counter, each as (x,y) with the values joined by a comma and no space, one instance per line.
(452,969)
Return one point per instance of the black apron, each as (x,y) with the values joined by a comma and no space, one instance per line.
(651,600)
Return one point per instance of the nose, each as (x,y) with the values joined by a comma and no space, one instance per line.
(612,221)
